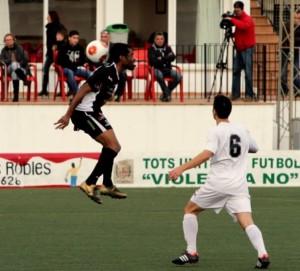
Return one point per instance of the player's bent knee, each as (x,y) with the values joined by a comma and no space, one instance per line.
(192,208)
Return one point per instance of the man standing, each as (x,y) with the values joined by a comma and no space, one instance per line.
(86,115)
(226,185)
(244,39)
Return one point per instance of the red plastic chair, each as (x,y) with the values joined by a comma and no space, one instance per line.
(141,54)
(27,47)
(61,79)
(2,81)
(36,55)
(188,58)
(151,93)
(32,79)
(142,71)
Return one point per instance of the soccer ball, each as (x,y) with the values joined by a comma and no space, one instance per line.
(96,51)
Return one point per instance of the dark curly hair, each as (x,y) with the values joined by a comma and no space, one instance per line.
(117,50)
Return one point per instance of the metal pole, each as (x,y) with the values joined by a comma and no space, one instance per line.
(278,119)
(291,94)
(264,58)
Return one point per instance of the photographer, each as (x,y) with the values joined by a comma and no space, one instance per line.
(244,37)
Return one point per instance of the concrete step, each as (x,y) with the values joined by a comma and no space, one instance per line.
(255,11)
(259,19)
(266,38)
(264,29)
(271,66)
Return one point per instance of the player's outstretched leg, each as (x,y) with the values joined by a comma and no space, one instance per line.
(186,257)
(113,192)
(91,191)
(263,262)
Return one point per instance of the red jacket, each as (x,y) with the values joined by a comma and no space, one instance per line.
(244,34)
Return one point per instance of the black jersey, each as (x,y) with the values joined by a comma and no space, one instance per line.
(103,82)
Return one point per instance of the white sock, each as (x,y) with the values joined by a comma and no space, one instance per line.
(256,239)
(190,230)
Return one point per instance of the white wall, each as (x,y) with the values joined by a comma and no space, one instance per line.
(139,128)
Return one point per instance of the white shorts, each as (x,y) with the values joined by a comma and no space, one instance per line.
(207,198)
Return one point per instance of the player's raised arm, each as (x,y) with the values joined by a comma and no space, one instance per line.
(196,161)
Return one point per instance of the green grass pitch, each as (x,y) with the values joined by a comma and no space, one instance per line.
(63,230)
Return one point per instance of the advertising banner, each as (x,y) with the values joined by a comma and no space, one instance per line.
(266,169)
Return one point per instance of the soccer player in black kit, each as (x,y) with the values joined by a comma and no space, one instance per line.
(86,115)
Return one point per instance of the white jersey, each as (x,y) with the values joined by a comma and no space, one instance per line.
(230,144)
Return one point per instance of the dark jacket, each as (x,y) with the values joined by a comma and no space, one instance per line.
(60,44)
(163,63)
(71,57)
(20,53)
(51,31)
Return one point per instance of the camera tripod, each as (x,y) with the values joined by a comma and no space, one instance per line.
(222,63)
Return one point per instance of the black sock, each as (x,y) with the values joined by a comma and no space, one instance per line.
(96,173)
(108,166)
(103,166)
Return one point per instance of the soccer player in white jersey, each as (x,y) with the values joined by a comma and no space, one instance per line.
(226,186)
(86,115)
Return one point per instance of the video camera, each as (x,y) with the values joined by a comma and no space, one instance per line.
(227,24)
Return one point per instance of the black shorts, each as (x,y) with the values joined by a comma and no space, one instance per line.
(90,122)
